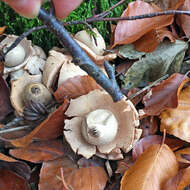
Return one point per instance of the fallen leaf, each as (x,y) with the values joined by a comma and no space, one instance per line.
(41,151)
(146,142)
(127,32)
(184,21)
(179,181)
(164,95)
(166,59)
(75,87)
(12,181)
(2,29)
(50,128)
(168,4)
(5,103)
(183,155)
(50,176)
(151,170)
(150,41)
(176,121)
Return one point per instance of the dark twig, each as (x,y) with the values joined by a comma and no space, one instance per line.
(79,56)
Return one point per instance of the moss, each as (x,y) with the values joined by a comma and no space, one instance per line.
(17,24)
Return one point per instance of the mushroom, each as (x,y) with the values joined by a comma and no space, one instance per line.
(17,88)
(24,58)
(100,126)
(94,46)
(37,93)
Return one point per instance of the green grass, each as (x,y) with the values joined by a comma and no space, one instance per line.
(17,24)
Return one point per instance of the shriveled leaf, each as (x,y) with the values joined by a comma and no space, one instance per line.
(176,121)
(50,128)
(41,151)
(183,155)
(178,182)
(146,142)
(12,181)
(164,95)
(166,59)
(151,170)
(150,41)
(75,87)
(184,20)
(127,32)
(5,104)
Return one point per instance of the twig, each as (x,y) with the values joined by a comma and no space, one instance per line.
(147,87)
(65,186)
(79,56)
(149,15)
(4,131)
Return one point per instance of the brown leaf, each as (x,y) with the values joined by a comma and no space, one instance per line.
(50,128)
(127,32)
(12,181)
(178,182)
(151,170)
(2,29)
(93,178)
(183,155)
(146,142)
(176,121)
(150,41)
(169,4)
(184,20)
(75,87)
(5,104)
(40,151)
(164,95)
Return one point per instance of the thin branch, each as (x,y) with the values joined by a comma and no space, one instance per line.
(79,56)
(5,131)
(149,15)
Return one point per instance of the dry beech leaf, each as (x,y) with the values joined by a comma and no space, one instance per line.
(176,121)
(50,176)
(152,39)
(178,182)
(75,87)
(93,178)
(16,166)
(5,103)
(183,155)
(151,170)
(168,4)
(50,128)
(164,95)
(40,151)
(127,32)
(12,181)
(146,142)
(184,20)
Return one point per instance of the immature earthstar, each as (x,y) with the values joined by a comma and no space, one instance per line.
(100,126)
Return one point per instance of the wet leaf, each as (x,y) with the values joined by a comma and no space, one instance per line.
(166,59)
(179,181)
(164,95)
(151,170)
(41,151)
(12,181)
(176,121)
(5,104)
(127,32)
(146,142)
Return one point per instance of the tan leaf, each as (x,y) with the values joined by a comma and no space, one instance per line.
(176,121)
(151,170)
(178,182)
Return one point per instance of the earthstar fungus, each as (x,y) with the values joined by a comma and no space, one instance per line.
(100,126)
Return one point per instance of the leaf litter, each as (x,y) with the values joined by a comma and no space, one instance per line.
(142,156)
